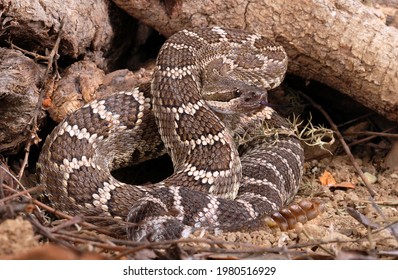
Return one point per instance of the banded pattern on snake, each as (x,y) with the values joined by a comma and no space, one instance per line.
(209,87)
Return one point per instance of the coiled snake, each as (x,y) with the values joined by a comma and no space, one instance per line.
(210,85)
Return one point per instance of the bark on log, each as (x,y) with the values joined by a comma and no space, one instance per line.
(341,43)
(93,29)
(20,79)
(83,82)
(76,87)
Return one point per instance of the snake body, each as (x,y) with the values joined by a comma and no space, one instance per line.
(209,85)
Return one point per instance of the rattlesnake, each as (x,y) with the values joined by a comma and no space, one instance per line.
(209,85)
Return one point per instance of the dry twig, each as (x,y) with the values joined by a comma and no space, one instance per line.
(367,139)
(375,133)
(33,127)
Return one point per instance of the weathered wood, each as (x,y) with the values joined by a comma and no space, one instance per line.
(20,79)
(83,82)
(94,29)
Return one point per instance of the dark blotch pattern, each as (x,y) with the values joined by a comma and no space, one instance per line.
(148,219)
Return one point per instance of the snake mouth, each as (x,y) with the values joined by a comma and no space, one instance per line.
(264,99)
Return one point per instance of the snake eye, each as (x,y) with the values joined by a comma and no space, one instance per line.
(237,93)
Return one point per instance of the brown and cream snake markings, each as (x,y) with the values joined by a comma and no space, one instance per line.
(210,85)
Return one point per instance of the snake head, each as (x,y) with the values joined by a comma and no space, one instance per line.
(237,98)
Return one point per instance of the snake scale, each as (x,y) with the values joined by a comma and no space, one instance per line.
(209,86)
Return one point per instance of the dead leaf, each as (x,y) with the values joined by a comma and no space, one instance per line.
(327,179)
(345,185)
